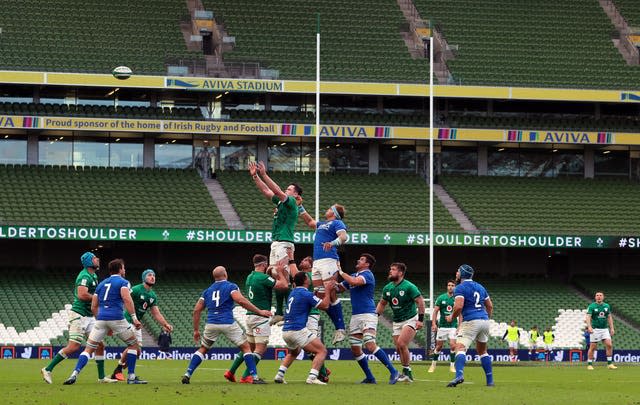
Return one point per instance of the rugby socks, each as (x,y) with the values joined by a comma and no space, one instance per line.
(236,362)
(82,361)
(335,313)
(281,371)
(57,359)
(251,364)
(452,357)
(384,359)
(100,364)
(364,365)
(461,359)
(313,374)
(434,357)
(609,360)
(485,361)
(257,358)
(281,297)
(132,357)
(196,359)
(323,371)
(406,370)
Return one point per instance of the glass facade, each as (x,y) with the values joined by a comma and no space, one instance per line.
(13,149)
(459,161)
(174,152)
(398,158)
(55,150)
(236,155)
(535,162)
(91,151)
(611,163)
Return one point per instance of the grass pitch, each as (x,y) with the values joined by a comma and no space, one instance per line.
(20,383)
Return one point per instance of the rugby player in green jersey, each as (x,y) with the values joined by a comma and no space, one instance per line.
(285,218)
(259,287)
(600,326)
(407,306)
(445,330)
(144,299)
(81,319)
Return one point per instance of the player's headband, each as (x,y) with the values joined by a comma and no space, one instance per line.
(259,263)
(335,212)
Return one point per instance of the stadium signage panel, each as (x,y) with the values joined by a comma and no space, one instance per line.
(250,85)
(306,237)
(308,130)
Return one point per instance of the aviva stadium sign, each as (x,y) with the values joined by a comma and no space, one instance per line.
(306,237)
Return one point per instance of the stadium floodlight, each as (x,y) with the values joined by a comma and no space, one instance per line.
(317,211)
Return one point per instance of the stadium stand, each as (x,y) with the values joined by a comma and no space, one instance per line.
(548,43)
(621,294)
(100,196)
(630,10)
(539,122)
(356,38)
(544,205)
(68,36)
(369,199)
(102,111)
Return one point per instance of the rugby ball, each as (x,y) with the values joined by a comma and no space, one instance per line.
(121,72)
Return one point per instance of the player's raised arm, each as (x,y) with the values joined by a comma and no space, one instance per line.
(341,239)
(273,187)
(264,189)
(306,217)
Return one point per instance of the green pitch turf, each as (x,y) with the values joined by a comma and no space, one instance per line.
(20,383)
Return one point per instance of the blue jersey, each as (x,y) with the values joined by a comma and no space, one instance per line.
(362,295)
(474,296)
(217,299)
(110,303)
(299,303)
(326,231)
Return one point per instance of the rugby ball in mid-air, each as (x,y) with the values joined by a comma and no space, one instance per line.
(121,72)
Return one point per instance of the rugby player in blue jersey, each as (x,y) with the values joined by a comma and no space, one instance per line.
(295,332)
(326,263)
(472,300)
(364,320)
(109,300)
(219,300)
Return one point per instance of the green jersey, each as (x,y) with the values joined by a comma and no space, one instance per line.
(445,303)
(402,298)
(90,281)
(259,287)
(314,310)
(142,301)
(284,219)
(599,315)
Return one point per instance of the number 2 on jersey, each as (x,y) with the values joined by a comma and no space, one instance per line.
(477,296)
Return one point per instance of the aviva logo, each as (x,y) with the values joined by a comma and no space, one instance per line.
(627,96)
(181,83)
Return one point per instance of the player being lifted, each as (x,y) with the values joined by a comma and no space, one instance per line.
(81,319)
(111,298)
(474,303)
(445,330)
(600,327)
(330,234)
(219,301)
(144,299)
(285,218)
(364,320)
(407,306)
(259,287)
